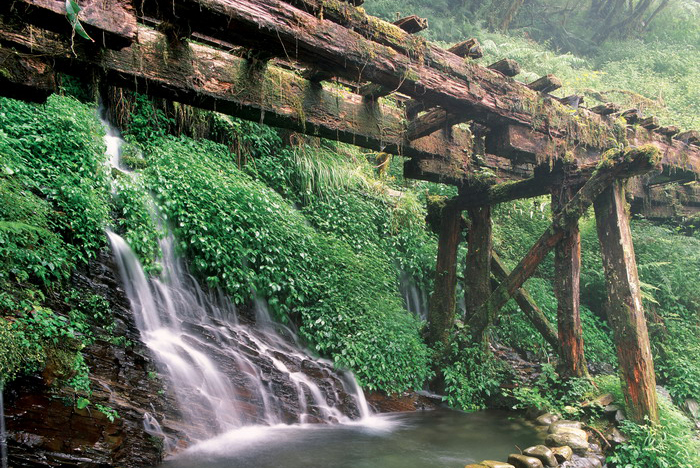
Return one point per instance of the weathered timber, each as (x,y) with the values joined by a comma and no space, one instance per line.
(527,304)
(546,84)
(477,270)
(624,305)
(665,201)
(523,144)
(606,109)
(412,24)
(506,66)
(669,130)
(573,101)
(430,122)
(112,24)
(650,123)
(631,116)
(25,77)
(316,75)
(441,312)
(567,273)
(467,49)
(420,70)
(691,137)
(354,2)
(373,91)
(211,79)
(623,164)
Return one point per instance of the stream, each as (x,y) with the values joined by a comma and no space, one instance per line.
(424,439)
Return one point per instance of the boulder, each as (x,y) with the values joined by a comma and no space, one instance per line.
(546,419)
(602,400)
(554,427)
(615,437)
(523,461)
(577,444)
(692,407)
(562,454)
(543,453)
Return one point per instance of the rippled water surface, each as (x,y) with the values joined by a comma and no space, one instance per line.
(424,439)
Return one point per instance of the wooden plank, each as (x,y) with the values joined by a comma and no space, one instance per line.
(623,164)
(606,109)
(441,312)
(546,84)
(412,24)
(624,305)
(567,289)
(25,77)
(467,49)
(112,24)
(506,66)
(372,92)
(430,122)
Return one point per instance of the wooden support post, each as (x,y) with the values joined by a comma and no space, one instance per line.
(477,271)
(441,311)
(567,272)
(372,92)
(527,304)
(432,121)
(624,305)
(626,163)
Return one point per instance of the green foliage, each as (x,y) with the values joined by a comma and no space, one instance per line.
(56,150)
(564,397)
(471,374)
(242,236)
(670,444)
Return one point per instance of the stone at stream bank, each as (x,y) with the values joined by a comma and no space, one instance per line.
(544,454)
(562,454)
(546,419)
(523,461)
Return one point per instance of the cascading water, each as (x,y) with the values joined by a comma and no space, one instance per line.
(225,374)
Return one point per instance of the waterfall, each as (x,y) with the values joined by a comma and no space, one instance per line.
(225,372)
(3,434)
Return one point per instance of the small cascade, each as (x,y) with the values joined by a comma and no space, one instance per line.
(3,434)
(226,373)
(414,298)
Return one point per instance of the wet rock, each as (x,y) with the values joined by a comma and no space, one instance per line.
(611,409)
(562,454)
(577,444)
(557,426)
(620,416)
(543,453)
(546,419)
(523,461)
(615,437)
(663,392)
(582,462)
(692,407)
(495,464)
(580,433)
(602,400)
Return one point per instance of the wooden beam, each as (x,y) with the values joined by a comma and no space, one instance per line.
(546,84)
(691,137)
(412,24)
(527,304)
(506,66)
(316,75)
(477,270)
(372,92)
(624,305)
(632,116)
(523,144)
(25,77)
(211,79)
(624,164)
(573,101)
(111,24)
(669,130)
(430,122)
(467,49)
(650,123)
(606,109)
(567,289)
(441,312)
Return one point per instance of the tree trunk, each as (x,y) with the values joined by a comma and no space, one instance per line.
(567,269)
(477,272)
(624,305)
(441,312)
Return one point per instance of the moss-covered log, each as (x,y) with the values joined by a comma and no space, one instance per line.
(567,275)
(614,165)
(624,305)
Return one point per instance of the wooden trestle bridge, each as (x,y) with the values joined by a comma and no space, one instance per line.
(326,68)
